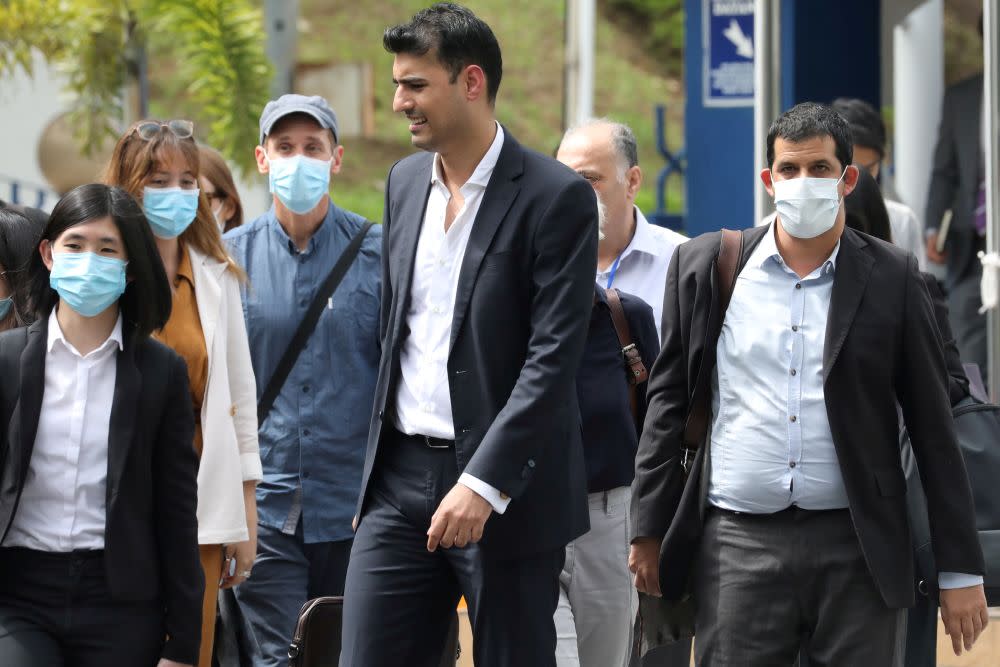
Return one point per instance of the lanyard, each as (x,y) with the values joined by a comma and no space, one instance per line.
(614,270)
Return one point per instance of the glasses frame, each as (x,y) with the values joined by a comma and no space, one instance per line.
(147,130)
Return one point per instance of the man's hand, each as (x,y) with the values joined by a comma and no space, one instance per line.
(932,251)
(644,563)
(244,553)
(963,611)
(459,519)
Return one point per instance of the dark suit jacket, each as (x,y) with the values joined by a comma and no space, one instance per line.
(882,346)
(518,331)
(955,175)
(151,535)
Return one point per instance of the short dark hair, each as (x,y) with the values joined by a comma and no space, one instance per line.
(145,305)
(867,126)
(809,120)
(19,236)
(866,210)
(459,37)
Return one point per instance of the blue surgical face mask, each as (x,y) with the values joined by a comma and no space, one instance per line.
(88,283)
(169,210)
(5,305)
(299,182)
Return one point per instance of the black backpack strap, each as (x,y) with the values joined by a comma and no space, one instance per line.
(309,321)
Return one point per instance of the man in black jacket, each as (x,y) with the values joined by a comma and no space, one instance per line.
(793,522)
(474,479)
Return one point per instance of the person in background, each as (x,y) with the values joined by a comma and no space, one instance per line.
(597,600)
(158,164)
(868,131)
(98,531)
(313,439)
(958,184)
(18,239)
(217,185)
(36,215)
(634,254)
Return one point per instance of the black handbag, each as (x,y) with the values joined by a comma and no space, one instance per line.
(662,621)
(318,635)
(977,429)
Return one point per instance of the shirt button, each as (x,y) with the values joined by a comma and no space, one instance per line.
(791,464)
(793,418)
(305,431)
(306,474)
(303,302)
(793,371)
(795,327)
(798,285)
(305,389)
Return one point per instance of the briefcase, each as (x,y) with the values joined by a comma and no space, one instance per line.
(318,636)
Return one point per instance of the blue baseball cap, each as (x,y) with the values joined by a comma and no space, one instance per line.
(314,106)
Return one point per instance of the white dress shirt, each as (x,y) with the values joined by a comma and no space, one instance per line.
(423,400)
(62,505)
(642,266)
(907,232)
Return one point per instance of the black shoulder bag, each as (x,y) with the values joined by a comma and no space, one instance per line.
(308,323)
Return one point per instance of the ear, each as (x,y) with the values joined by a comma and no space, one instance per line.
(765,177)
(260,154)
(633,180)
(473,80)
(338,160)
(851,179)
(45,250)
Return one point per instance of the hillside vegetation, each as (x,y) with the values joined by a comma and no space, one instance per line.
(629,82)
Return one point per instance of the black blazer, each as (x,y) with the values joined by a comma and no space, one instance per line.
(151,534)
(955,174)
(520,321)
(882,346)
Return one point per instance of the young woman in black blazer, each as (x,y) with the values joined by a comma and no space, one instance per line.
(98,534)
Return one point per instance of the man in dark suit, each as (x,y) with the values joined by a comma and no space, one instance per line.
(958,183)
(474,480)
(792,525)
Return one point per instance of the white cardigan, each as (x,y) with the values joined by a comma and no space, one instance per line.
(230,455)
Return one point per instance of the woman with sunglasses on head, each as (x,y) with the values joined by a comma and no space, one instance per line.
(98,532)
(158,163)
(219,188)
(18,239)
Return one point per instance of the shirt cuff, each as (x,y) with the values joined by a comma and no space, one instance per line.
(498,500)
(949,580)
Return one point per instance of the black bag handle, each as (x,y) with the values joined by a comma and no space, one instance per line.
(308,323)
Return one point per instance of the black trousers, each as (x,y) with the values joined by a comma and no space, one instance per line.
(56,611)
(400,598)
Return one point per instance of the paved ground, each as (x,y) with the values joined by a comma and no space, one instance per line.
(985,654)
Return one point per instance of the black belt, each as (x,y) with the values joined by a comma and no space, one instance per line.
(427,441)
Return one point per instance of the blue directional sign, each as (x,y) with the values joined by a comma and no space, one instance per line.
(728,53)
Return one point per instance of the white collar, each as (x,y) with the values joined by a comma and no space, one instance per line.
(56,334)
(768,249)
(484,170)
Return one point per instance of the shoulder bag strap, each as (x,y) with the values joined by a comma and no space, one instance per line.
(727,269)
(308,323)
(634,368)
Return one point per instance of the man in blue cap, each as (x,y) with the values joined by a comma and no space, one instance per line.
(313,437)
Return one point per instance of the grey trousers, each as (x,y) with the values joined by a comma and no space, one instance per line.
(768,584)
(597,600)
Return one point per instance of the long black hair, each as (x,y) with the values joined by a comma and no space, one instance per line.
(145,305)
(18,239)
(866,210)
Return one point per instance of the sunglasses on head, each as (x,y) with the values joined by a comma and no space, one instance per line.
(150,129)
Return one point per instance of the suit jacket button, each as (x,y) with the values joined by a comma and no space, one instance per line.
(531,463)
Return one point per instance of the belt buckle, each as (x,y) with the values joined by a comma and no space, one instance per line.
(429,441)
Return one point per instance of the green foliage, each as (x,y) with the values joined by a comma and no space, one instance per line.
(663,21)
(217,46)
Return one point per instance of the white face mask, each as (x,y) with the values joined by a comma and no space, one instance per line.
(807,207)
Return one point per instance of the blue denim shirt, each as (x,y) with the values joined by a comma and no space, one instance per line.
(312,445)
